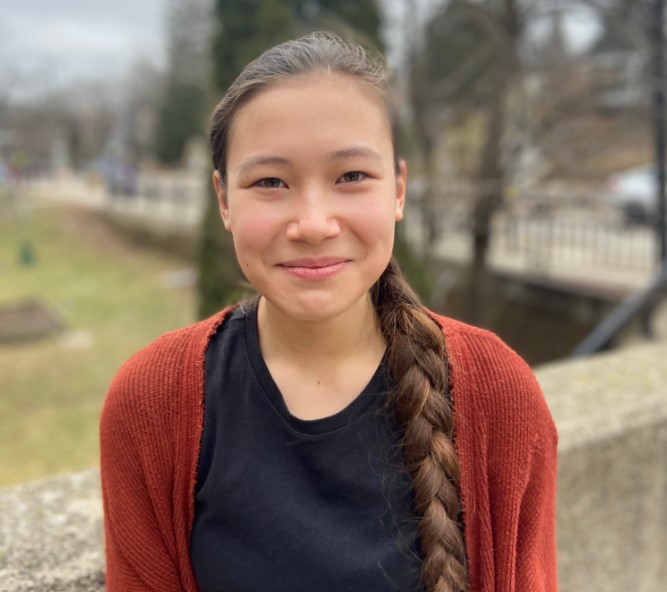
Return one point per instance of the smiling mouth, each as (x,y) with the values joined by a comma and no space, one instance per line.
(314,269)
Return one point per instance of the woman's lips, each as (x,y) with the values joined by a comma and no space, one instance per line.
(314,269)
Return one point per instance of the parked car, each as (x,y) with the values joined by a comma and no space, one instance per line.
(635,192)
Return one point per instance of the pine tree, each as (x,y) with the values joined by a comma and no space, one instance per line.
(181,114)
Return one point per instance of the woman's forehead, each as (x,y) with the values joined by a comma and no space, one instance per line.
(330,113)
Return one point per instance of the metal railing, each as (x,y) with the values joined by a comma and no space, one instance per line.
(639,306)
(546,241)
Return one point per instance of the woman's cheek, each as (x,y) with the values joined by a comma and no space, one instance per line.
(253,234)
(377,221)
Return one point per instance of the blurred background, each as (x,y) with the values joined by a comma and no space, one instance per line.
(531,129)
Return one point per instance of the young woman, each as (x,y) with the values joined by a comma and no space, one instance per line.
(332,434)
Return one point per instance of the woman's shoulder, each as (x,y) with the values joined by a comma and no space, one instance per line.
(479,348)
(167,353)
(149,379)
(492,385)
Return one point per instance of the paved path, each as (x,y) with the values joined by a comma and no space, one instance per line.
(66,190)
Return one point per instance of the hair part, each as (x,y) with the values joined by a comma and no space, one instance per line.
(416,352)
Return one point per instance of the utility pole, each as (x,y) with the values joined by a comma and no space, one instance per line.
(658,45)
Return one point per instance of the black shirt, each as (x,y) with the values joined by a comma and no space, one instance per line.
(290,505)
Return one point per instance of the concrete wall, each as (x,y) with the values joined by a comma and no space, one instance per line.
(611,413)
(51,535)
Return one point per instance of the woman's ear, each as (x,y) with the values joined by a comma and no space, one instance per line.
(221,192)
(401,185)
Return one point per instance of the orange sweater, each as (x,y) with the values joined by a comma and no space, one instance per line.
(151,428)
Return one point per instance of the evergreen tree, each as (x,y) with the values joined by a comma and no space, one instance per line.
(179,119)
(360,19)
(181,114)
(245,28)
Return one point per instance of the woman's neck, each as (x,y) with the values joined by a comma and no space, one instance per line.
(320,367)
(354,332)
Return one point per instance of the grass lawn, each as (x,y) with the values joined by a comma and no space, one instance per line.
(111,297)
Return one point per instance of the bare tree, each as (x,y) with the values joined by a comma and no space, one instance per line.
(466,64)
(475,63)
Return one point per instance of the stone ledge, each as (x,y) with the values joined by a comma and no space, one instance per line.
(611,413)
(51,536)
(600,397)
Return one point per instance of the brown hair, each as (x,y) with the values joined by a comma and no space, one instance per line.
(416,352)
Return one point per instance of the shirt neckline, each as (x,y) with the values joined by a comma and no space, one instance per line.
(372,393)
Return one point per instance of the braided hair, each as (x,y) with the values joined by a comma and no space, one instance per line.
(418,365)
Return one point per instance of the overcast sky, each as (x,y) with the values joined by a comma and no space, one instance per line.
(60,40)
(65,39)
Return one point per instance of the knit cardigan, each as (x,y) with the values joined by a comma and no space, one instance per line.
(151,429)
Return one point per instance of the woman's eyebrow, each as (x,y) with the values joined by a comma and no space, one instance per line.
(270,159)
(261,160)
(354,151)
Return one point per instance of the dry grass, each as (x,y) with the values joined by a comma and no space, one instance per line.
(111,297)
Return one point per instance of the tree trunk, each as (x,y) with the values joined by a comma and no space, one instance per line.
(490,177)
(489,196)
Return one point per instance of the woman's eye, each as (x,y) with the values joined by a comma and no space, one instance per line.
(270,183)
(351,177)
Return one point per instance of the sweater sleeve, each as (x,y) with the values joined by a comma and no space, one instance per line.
(137,458)
(536,568)
(523,457)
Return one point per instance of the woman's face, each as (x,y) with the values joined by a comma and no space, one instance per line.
(311,195)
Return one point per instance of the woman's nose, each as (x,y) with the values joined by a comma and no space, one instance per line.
(313,221)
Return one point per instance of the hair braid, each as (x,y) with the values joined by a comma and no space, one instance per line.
(418,365)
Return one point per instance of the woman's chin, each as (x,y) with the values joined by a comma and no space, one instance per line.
(315,307)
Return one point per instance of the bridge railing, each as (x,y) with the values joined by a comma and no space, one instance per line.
(548,239)
(578,241)
(640,306)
